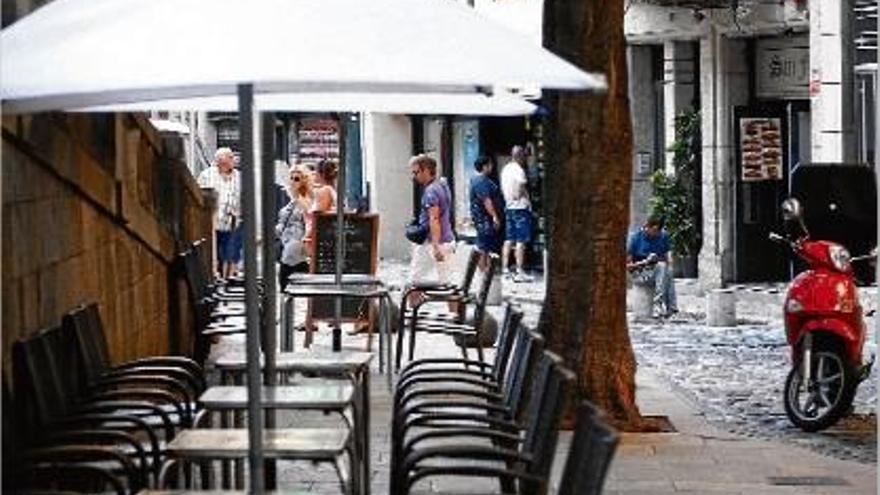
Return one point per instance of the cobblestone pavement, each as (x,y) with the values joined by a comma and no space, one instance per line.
(694,461)
(733,376)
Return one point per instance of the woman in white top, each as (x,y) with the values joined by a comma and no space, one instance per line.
(324,190)
(291,226)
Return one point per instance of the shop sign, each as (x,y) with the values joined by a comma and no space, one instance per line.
(782,68)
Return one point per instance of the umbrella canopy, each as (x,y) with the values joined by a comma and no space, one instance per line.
(78,53)
(402,103)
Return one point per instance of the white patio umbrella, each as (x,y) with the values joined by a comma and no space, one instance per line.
(499,104)
(82,53)
(77,53)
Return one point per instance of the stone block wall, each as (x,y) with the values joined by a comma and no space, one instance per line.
(94,210)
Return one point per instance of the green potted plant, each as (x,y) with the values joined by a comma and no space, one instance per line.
(677,195)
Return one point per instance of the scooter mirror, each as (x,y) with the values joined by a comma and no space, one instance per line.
(792,210)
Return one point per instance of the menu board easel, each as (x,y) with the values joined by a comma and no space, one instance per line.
(361,257)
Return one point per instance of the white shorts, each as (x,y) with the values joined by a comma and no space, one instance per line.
(424,268)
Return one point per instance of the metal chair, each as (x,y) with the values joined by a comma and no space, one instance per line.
(175,375)
(91,341)
(29,469)
(466,409)
(592,448)
(456,328)
(442,371)
(522,470)
(51,420)
(442,292)
(211,318)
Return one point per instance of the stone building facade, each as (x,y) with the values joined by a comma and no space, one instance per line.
(791,60)
(95,208)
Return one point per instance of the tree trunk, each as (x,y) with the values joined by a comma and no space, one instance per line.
(588,189)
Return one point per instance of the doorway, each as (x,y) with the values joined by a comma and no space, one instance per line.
(770,139)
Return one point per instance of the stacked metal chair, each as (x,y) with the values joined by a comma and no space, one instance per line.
(460,417)
(453,324)
(518,454)
(55,420)
(219,309)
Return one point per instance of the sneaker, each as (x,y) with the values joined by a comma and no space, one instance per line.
(522,277)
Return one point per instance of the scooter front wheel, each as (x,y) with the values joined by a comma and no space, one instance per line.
(828,396)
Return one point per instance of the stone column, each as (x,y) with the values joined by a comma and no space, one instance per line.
(831,103)
(386,152)
(679,75)
(724,76)
(643,108)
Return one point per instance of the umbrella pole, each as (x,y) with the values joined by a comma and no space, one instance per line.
(340,230)
(248,190)
(269,329)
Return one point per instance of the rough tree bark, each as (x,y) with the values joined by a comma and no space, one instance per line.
(589,147)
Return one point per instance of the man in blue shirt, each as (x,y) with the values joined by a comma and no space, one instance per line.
(487,210)
(649,258)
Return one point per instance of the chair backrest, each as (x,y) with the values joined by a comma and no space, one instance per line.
(61,349)
(85,324)
(194,275)
(529,345)
(36,384)
(506,337)
(592,448)
(546,403)
(469,271)
(12,436)
(483,294)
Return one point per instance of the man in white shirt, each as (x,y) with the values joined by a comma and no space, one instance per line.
(517,212)
(226,180)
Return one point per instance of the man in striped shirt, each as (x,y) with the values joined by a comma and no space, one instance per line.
(226,180)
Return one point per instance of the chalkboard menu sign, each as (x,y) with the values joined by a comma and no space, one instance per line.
(361,257)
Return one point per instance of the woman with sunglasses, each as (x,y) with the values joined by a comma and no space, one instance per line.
(291,226)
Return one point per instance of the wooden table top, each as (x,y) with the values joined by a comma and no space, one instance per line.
(286,443)
(326,394)
(316,361)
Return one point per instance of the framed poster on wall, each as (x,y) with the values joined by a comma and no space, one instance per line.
(761,152)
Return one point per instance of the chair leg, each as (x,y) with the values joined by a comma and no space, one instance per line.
(464,355)
(412,337)
(399,354)
(480,350)
(400,332)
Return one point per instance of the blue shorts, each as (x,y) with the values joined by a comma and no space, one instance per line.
(229,245)
(519,224)
(489,241)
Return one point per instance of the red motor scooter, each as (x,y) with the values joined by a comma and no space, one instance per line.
(823,326)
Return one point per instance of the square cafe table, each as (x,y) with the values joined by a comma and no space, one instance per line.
(314,444)
(352,365)
(353,286)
